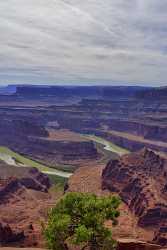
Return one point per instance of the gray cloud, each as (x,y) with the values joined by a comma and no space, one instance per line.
(90,41)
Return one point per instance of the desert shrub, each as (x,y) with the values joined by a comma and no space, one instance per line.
(80,219)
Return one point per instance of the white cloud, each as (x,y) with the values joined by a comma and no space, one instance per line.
(90,41)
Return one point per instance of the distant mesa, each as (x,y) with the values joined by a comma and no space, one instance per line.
(78,91)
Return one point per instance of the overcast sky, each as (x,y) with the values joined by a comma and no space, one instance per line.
(83,42)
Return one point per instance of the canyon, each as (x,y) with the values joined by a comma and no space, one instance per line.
(87,110)
(104,140)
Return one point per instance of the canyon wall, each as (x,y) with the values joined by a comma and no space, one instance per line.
(24,198)
(59,151)
(129,143)
(140,180)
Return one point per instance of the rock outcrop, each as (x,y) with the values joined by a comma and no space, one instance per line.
(24,200)
(7,235)
(140,180)
(32,180)
(131,244)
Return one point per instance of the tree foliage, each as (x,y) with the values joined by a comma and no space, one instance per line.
(80,218)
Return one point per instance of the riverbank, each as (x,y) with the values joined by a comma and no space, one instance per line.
(14,159)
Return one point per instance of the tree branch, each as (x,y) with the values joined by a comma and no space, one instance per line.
(84,247)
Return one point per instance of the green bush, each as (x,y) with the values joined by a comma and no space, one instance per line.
(80,219)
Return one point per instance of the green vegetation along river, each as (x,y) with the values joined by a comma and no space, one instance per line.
(13,158)
(109,146)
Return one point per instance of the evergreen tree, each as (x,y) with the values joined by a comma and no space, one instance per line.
(80,218)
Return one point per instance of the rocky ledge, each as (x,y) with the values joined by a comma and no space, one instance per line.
(140,180)
(33,180)
(7,235)
(23,201)
(131,244)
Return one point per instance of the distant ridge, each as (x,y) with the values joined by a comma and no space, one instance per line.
(8,90)
(153,93)
(80,91)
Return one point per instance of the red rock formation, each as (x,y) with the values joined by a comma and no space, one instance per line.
(140,180)
(23,204)
(32,180)
(60,151)
(7,235)
(130,244)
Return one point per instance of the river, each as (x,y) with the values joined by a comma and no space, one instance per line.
(109,146)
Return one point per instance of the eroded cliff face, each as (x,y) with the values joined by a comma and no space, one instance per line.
(32,180)
(24,197)
(21,127)
(141,181)
(60,151)
(7,235)
(146,130)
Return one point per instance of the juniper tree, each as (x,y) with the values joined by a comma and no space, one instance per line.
(80,218)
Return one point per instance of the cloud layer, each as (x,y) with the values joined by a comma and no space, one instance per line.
(83,42)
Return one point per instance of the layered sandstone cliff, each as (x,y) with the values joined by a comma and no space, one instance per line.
(24,197)
(140,180)
(32,180)
(60,151)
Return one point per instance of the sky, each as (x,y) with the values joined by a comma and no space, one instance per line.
(109,42)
